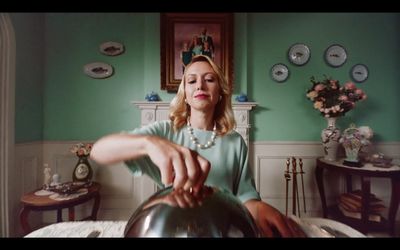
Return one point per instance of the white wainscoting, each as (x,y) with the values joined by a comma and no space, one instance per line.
(122,193)
(28,163)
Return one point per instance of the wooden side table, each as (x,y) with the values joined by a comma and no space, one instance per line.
(365,173)
(32,202)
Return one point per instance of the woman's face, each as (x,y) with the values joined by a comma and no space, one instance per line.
(201,86)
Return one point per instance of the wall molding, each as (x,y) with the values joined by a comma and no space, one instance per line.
(7,112)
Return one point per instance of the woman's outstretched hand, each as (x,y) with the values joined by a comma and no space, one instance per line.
(182,167)
(271,222)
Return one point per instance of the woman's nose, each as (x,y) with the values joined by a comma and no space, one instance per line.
(199,84)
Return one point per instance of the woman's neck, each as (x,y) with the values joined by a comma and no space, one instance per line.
(201,120)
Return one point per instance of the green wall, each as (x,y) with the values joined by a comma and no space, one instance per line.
(29,36)
(284,113)
(77,107)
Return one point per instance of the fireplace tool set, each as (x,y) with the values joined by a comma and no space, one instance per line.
(295,190)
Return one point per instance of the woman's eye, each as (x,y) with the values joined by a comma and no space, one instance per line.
(191,81)
(210,79)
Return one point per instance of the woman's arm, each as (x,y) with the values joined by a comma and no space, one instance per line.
(115,148)
(179,165)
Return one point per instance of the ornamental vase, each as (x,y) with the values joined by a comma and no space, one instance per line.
(352,149)
(330,139)
(83,171)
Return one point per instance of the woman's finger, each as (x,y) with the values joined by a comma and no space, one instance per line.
(193,169)
(189,199)
(295,228)
(178,195)
(167,173)
(204,170)
(180,171)
(265,229)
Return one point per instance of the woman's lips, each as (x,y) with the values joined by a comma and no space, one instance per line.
(201,96)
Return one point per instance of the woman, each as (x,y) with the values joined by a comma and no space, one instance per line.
(197,146)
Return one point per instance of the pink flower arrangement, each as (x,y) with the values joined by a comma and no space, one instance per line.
(81,149)
(333,100)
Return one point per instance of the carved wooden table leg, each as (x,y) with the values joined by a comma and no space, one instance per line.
(59,215)
(394,204)
(96,206)
(366,190)
(71,214)
(23,217)
(320,183)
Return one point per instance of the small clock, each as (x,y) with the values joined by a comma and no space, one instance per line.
(299,54)
(359,73)
(82,172)
(279,72)
(335,55)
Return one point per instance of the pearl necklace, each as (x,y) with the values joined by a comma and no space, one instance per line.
(195,140)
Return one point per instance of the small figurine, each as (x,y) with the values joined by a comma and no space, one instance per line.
(152,97)
(47,176)
(241,98)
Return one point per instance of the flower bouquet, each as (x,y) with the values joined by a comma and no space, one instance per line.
(81,149)
(331,99)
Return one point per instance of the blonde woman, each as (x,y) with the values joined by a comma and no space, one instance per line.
(197,146)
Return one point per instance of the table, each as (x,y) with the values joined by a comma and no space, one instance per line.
(81,229)
(32,202)
(115,229)
(365,173)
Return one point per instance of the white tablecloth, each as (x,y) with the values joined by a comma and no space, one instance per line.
(311,226)
(81,229)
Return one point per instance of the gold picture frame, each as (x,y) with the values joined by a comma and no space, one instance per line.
(181,34)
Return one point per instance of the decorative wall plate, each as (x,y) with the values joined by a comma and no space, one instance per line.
(335,55)
(279,72)
(299,54)
(98,70)
(359,73)
(112,48)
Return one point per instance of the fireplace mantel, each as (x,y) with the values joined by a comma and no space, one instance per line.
(157,111)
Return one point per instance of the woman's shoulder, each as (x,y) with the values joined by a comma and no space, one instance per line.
(235,136)
(157,128)
(164,125)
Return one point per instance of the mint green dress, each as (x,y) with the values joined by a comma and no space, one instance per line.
(228,157)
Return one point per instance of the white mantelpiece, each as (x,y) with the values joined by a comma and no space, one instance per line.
(157,111)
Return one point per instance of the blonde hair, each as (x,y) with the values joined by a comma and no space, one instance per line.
(223,113)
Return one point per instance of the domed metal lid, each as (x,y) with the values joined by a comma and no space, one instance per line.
(177,213)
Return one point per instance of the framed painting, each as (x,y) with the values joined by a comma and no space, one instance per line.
(184,35)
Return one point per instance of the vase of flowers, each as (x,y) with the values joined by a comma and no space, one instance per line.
(83,171)
(353,139)
(333,101)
